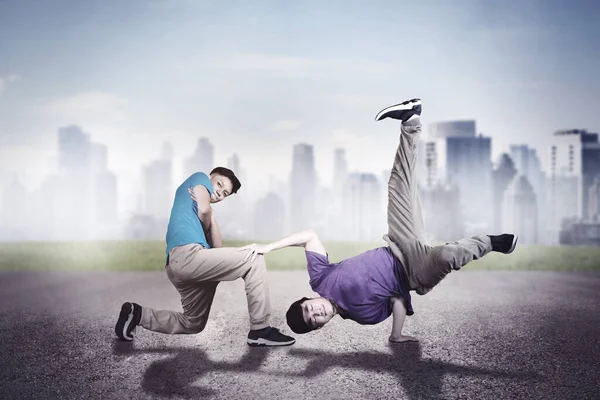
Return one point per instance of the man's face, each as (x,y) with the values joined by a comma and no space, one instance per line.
(317,312)
(222,187)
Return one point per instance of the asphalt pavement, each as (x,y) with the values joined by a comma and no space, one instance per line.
(483,335)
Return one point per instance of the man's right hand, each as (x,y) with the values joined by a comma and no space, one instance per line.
(254,250)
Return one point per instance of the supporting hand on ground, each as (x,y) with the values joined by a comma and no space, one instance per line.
(402,339)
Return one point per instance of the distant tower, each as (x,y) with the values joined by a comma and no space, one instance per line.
(269,217)
(594,200)
(362,207)
(520,210)
(202,160)
(303,187)
(501,176)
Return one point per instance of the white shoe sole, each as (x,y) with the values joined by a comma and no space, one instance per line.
(264,342)
(514,244)
(406,105)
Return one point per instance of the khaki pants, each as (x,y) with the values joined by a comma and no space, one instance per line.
(425,265)
(195,272)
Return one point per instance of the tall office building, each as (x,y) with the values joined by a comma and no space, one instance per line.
(269,217)
(362,208)
(233,214)
(74,193)
(502,176)
(520,212)
(442,214)
(340,169)
(74,150)
(104,191)
(158,189)
(303,188)
(469,166)
(574,163)
(594,200)
(16,218)
(456,155)
(202,160)
(528,164)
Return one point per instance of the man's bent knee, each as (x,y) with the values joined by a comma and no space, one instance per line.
(194,325)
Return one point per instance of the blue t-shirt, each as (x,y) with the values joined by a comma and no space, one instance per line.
(184,225)
(361,286)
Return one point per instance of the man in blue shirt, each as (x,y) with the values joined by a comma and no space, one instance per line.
(370,287)
(196,262)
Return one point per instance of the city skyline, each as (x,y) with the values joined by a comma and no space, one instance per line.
(352,208)
(219,71)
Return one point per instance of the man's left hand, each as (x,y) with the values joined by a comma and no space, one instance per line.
(403,339)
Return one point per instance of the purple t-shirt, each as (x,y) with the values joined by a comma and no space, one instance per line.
(361,286)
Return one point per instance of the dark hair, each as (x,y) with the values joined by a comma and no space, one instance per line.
(227,173)
(295,317)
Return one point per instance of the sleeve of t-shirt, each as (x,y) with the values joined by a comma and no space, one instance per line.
(200,178)
(316,263)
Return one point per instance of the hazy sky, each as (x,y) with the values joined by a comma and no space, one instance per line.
(257,77)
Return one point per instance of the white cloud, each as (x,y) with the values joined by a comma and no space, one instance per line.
(85,106)
(4,81)
(285,125)
(288,66)
(364,102)
(301,66)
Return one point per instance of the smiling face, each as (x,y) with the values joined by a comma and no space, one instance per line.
(222,187)
(317,312)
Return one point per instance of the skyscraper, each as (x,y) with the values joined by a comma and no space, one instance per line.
(574,163)
(594,201)
(73,206)
(455,155)
(362,208)
(104,191)
(442,214)
(520,211)
(269,217)
(502,176)
(158,190)
(303,185)
(74,150)
(469,166)
(202,160)
(233,213)
(528,164)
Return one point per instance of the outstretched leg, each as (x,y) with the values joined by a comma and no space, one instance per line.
(425,265)
(405,222)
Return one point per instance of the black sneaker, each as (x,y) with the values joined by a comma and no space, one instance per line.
(504,243)
(402,111)
(129,318)
(269,336)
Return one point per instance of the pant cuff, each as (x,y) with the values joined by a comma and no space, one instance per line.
(260,325)
(145,319)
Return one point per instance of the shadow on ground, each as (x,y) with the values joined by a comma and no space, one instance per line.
(175,375)
(420,378)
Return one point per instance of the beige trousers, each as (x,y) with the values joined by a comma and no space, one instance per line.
(425,265)
(195,272)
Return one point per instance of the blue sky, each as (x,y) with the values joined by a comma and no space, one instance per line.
(257,77)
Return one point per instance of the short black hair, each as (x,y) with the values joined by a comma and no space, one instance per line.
(226,172)
(295,318)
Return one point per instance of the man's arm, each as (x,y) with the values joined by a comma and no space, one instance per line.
(399,314)
(202,198)
(307,239)
(214,234)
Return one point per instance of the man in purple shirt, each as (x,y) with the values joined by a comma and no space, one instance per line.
(370,287)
